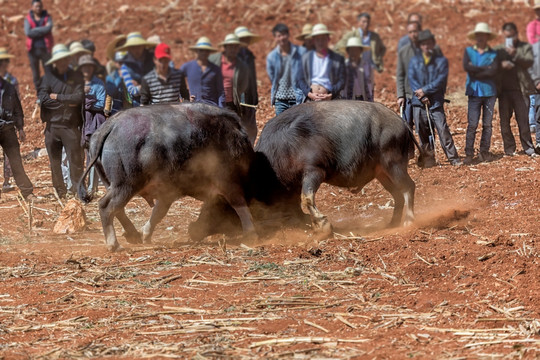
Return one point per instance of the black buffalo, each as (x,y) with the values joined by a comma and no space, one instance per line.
(342,143)
(164,152)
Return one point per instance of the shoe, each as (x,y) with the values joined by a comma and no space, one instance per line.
(486,156)
(30,197)
(468,160)
(534,155)
(537,149)
(7,188)
(456,162)
(510,153)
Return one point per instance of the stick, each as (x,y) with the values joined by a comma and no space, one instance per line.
(432,133)
(248,105)
(316,326)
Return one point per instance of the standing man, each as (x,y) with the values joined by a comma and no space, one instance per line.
(11,119)
(480,63)
(533,36)
(428,76)
(406,39)
(164,84)
(324,70)
(534,71)
(516,85)
(204,78)
(404,92)
(284,68)
(355,69)
(235,79)
(371,39)
(61,93)
(252,97)
(39,40)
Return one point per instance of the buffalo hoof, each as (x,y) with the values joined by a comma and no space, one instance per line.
(133,238)
(115,248)
(250,237)
(323,227)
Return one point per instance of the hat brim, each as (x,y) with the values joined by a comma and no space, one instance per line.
(79,51)
(363,47)
(137,42)
(59,57)
(209,48)
(471,35)
(320,33)
(6,56)
(230,43)
(253,38)
(301,37)
(111,47)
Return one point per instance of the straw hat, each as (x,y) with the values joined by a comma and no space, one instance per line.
(86,59)
(4,54)
(306,31)
(111,47)
(135,39)
(481,27)
(230,39)
(243,32)
(320,29)
(59,51)
(536,4)
(77,48)
(203,44)
(356,42)
(154,40)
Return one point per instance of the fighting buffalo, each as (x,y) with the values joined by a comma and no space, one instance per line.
(165,152)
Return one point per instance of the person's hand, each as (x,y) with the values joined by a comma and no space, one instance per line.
(135,83)
(419,93)
(86,89)
(401,102)
(53,96)
(507,64)
(192,98)
(511,50)
(425,101)
(538,86)
(22,135)
(324,97)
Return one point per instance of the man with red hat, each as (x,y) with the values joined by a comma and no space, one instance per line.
(163,84)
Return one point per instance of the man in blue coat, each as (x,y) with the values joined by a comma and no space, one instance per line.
(428,76)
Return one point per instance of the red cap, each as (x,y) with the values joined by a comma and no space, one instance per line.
(162,51)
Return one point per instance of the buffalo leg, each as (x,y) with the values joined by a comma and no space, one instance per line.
(238,202)
(131,234)
(310,184)
(401,186)
(110,206)
(158,213)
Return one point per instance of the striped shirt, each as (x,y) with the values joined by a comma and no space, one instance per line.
(156,90)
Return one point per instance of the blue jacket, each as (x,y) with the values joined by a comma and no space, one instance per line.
(431,78)
(337,70)
(481,72)
(273,68)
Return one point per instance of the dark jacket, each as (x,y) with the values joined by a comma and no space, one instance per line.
(405,55)
(337,70)
(66,110)
(138,69)
(523,60)
(252,96)
(241,78)
(431,78)
(273,67)
(11,112)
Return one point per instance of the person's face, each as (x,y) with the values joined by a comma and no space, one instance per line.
(354,53)
(510,34)
(481,39)
(363,23)
(37,7)
(320,42)
(4,66)
(282,39)
(162,65)
(245,40)
(88,71)
(202,54)
(412,31)
(136,51)
(62,65)
(231,50)
(427,46)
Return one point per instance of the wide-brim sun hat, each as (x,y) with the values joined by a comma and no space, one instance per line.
(356,42)
(135,39)
(483,28)
(306,31)
(77,48)
(230,39)
(243,32)
(203,43)
(59,51)
(4,54)
(110,50)
(320,29)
